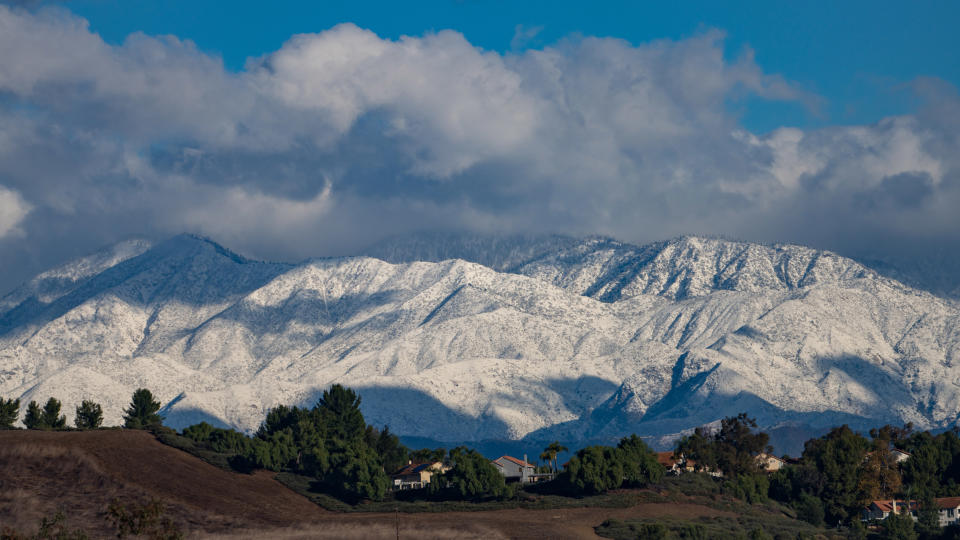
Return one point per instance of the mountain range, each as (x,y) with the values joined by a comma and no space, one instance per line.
(458,338)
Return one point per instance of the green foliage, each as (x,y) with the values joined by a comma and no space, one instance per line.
(551,452)
(340,409)
(425,455)
(89,415)
(732,449)
(596,469)
(142,412)
(393,454)
(640,465)
(46,418)
(829,470)
(51,417)
(198,432)
(472,476)
(810,509)
(752,488)
(9,411)
(898,527)
(354,470)
(34,417)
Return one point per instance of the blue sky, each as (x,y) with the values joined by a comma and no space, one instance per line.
(303,129)
(856,55)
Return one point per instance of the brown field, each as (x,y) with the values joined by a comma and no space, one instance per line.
(81,472)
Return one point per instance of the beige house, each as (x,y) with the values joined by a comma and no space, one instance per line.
(769,463)
(416,475)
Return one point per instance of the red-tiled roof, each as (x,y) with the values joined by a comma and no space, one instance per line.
(666,459)
(887,505)
(519,462)
(948,502)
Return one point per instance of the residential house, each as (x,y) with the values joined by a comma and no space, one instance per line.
(515,470)
(882,509)
(948,509)
(769,463)
(416,475)
(673,465)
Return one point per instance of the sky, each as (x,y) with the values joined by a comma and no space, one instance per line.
(308,129)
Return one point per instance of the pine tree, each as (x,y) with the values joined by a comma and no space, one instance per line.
(142,412)
(34,417)
(89,415)
(340,408)
(9,410)
(52,419)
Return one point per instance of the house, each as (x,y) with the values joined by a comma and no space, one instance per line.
(416,475)
(882,509)
(769,463)
(673,465)
(899,455)
(515,470)
(948,509)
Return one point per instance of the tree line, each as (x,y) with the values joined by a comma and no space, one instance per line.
(141,413)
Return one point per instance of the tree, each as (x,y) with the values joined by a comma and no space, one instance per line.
(830,469)
(9,411)
(52,418)
(89,415)
(472,476)
(596,469)
(550,454)
(898,526)
(142,412)
(34,417)
(340,409)
(640,465)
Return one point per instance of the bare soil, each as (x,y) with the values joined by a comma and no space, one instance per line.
(81,472)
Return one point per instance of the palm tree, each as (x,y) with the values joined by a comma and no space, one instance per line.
(551,451)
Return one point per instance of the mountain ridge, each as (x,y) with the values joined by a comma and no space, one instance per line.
(583,339)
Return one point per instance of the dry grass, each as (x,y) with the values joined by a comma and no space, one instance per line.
(81,472)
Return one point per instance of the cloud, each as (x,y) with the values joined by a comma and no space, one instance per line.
(12,211)
(341,137)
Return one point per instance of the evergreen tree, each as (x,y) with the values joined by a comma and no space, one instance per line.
(9,411)
(34,417)
(89,415)
(51,417)
(340,409)
(142,412)
(393,454)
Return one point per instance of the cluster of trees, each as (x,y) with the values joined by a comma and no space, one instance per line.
(838,474)
(596,469)
(141,414)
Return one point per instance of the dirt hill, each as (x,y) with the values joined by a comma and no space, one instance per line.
(81,472)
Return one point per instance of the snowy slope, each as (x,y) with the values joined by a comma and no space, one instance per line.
(550,337)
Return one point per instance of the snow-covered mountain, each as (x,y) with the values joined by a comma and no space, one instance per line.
(461,338)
